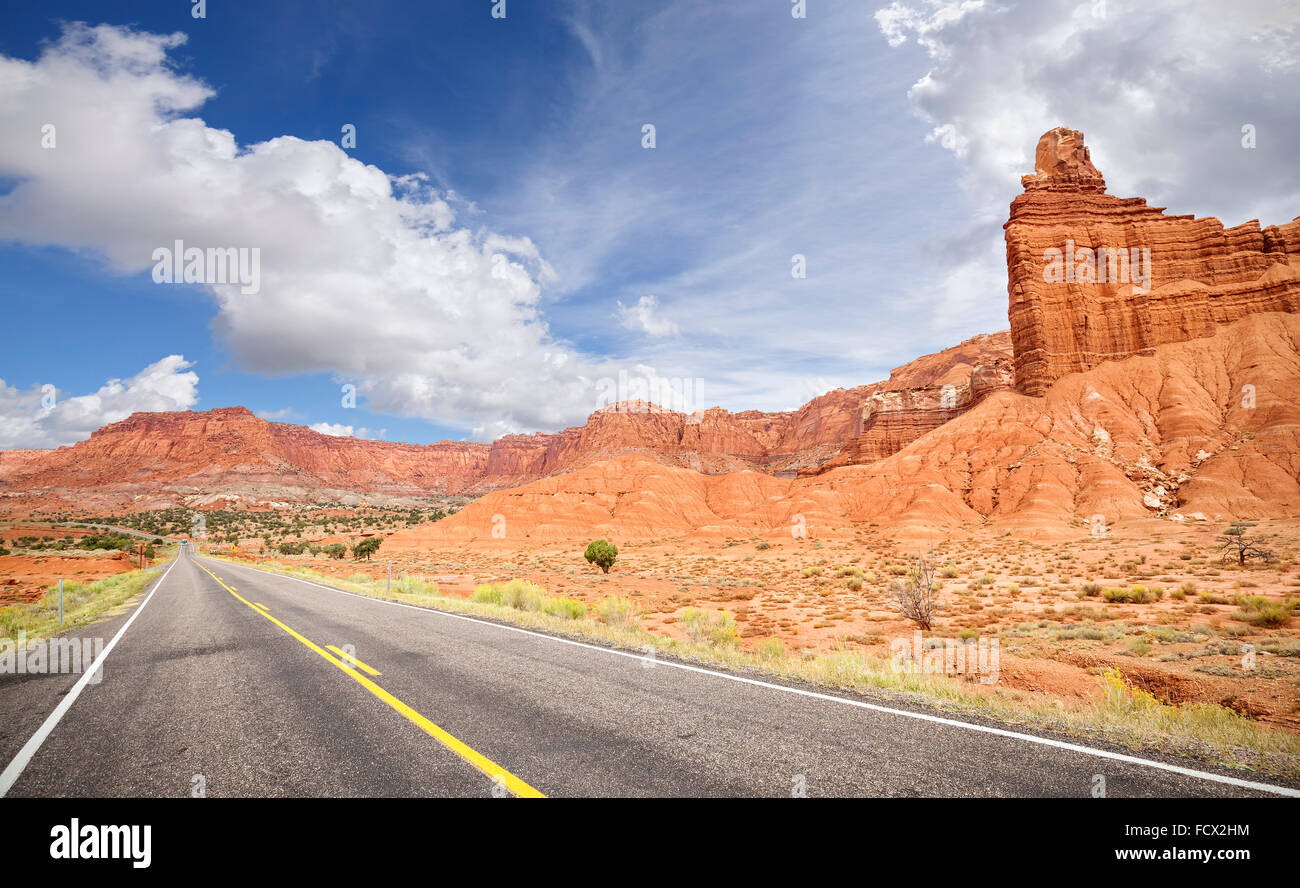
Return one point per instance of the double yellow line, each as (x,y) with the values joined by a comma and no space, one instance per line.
(494,772)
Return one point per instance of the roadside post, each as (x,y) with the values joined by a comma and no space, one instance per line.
(60,601)
(389,589)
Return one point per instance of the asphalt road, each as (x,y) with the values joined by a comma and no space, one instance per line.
(225,680)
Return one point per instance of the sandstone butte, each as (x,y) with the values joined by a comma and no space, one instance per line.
(1201,275)
(1179,401)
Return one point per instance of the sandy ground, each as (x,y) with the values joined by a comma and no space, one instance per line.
(26,574)
(1190,644)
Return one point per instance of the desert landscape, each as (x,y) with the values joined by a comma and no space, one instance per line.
(1109,490)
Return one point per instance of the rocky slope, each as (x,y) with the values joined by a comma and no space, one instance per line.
(1168,279)
(1168,435)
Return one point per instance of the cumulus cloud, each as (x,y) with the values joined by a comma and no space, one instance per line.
(644,317)
(338,430)
(43,416)
(1160,88)
(363,275)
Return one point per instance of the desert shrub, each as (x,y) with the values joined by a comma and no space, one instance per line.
(812,571)
(764,544)
(1266,614)
(915,597)
(706,627)
(1132,595)
(559,606)
(1092,589)
(770,649)
(520,595)
(1122,697)
(601,553)
(487,594)
(619,612)
(854,584)
(335,550)
(949,572)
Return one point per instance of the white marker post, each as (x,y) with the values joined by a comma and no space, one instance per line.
(60,601)
(389,590)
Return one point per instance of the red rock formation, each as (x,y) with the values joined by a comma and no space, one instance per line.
(230,456)
(1072,315)
(892,418)
(1167,435)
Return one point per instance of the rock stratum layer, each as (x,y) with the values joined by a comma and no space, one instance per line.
(1190,275)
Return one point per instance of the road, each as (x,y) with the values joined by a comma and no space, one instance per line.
(243,683)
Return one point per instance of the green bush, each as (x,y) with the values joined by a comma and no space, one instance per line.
(366,547)
(601,553)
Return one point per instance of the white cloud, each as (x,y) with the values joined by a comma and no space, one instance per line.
(43,417)
(1160,88)
(362,275)
(643,317)
(338,430)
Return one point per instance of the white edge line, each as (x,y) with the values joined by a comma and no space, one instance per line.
(16,767)
(1000,732)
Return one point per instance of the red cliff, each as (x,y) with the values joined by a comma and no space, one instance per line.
(1093,277)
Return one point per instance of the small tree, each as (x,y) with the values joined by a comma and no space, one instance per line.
(336,550)
(1238,542)
(602,553)
(915,597)
(367,547)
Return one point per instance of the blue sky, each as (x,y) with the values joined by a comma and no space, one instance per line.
(882,142)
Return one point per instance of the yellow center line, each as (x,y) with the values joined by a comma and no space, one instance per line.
(491,769)
(351,660)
